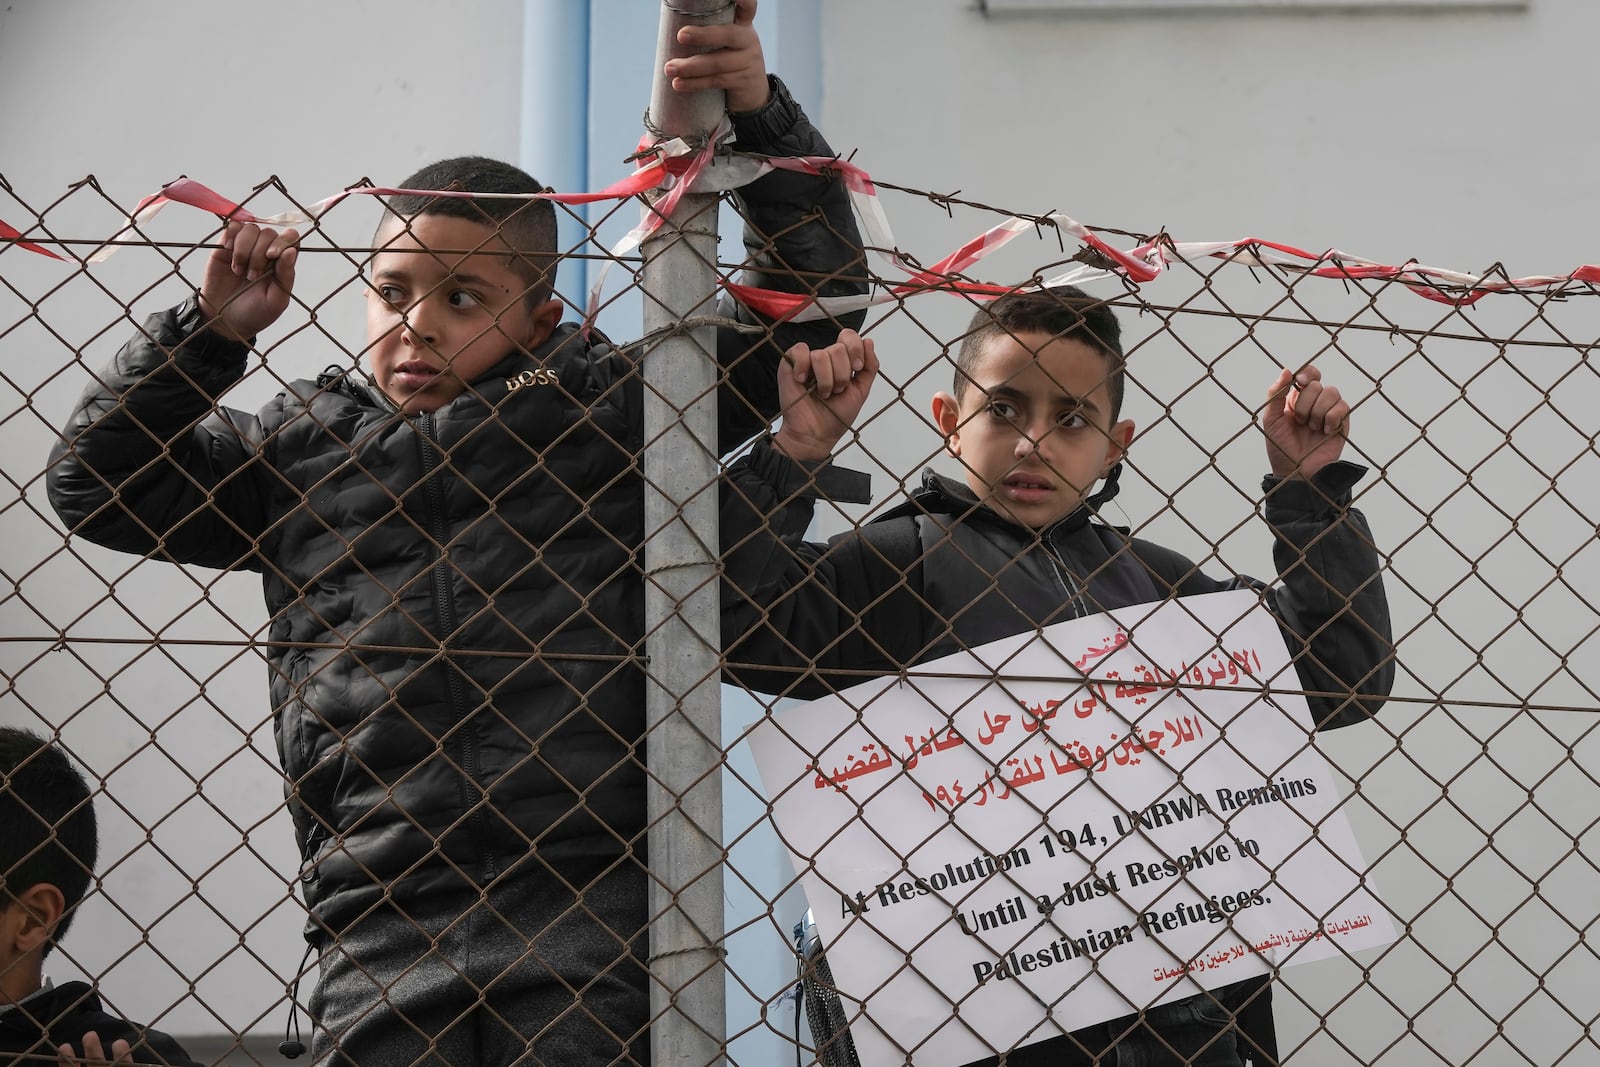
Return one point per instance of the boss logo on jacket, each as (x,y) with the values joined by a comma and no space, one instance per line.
(532,376)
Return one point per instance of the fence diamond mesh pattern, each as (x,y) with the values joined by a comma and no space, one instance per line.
(1471,793)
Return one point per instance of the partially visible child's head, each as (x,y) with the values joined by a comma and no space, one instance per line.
(48,847)
(457,284)
(1034,411)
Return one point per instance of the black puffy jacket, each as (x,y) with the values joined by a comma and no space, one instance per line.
(456,599)
(942,572)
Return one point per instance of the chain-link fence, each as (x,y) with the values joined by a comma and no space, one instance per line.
(984,874)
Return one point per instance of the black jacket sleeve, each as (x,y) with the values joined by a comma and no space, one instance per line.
(800,236)
(797,611)
(149,464)
(1329,598)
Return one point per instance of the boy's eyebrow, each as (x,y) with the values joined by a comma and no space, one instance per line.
(475,279)
(467,276)
(1005,391)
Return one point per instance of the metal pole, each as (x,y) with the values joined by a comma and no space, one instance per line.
(683,626)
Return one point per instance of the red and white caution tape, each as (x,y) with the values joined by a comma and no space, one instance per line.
(9,233)
(674,166)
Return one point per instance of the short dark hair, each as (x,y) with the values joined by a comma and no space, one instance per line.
(527,225)
(47,827)
(1061,311)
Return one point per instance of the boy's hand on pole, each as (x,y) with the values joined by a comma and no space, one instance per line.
(822,391)
(1306,423)
(732,61)
(248,280)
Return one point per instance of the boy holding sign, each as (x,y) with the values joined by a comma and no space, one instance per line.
(1034,417)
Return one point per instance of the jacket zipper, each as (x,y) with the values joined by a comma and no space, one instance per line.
(1068,581)
(473,794)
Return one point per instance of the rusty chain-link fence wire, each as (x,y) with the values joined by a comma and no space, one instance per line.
(1470,793)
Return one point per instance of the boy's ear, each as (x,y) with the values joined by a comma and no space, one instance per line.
(1118,438)
(542,321)
(947,416)
(32,917)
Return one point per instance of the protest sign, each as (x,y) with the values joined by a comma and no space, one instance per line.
(1066,827)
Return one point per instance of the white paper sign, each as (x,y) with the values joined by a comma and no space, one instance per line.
(1067,827)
